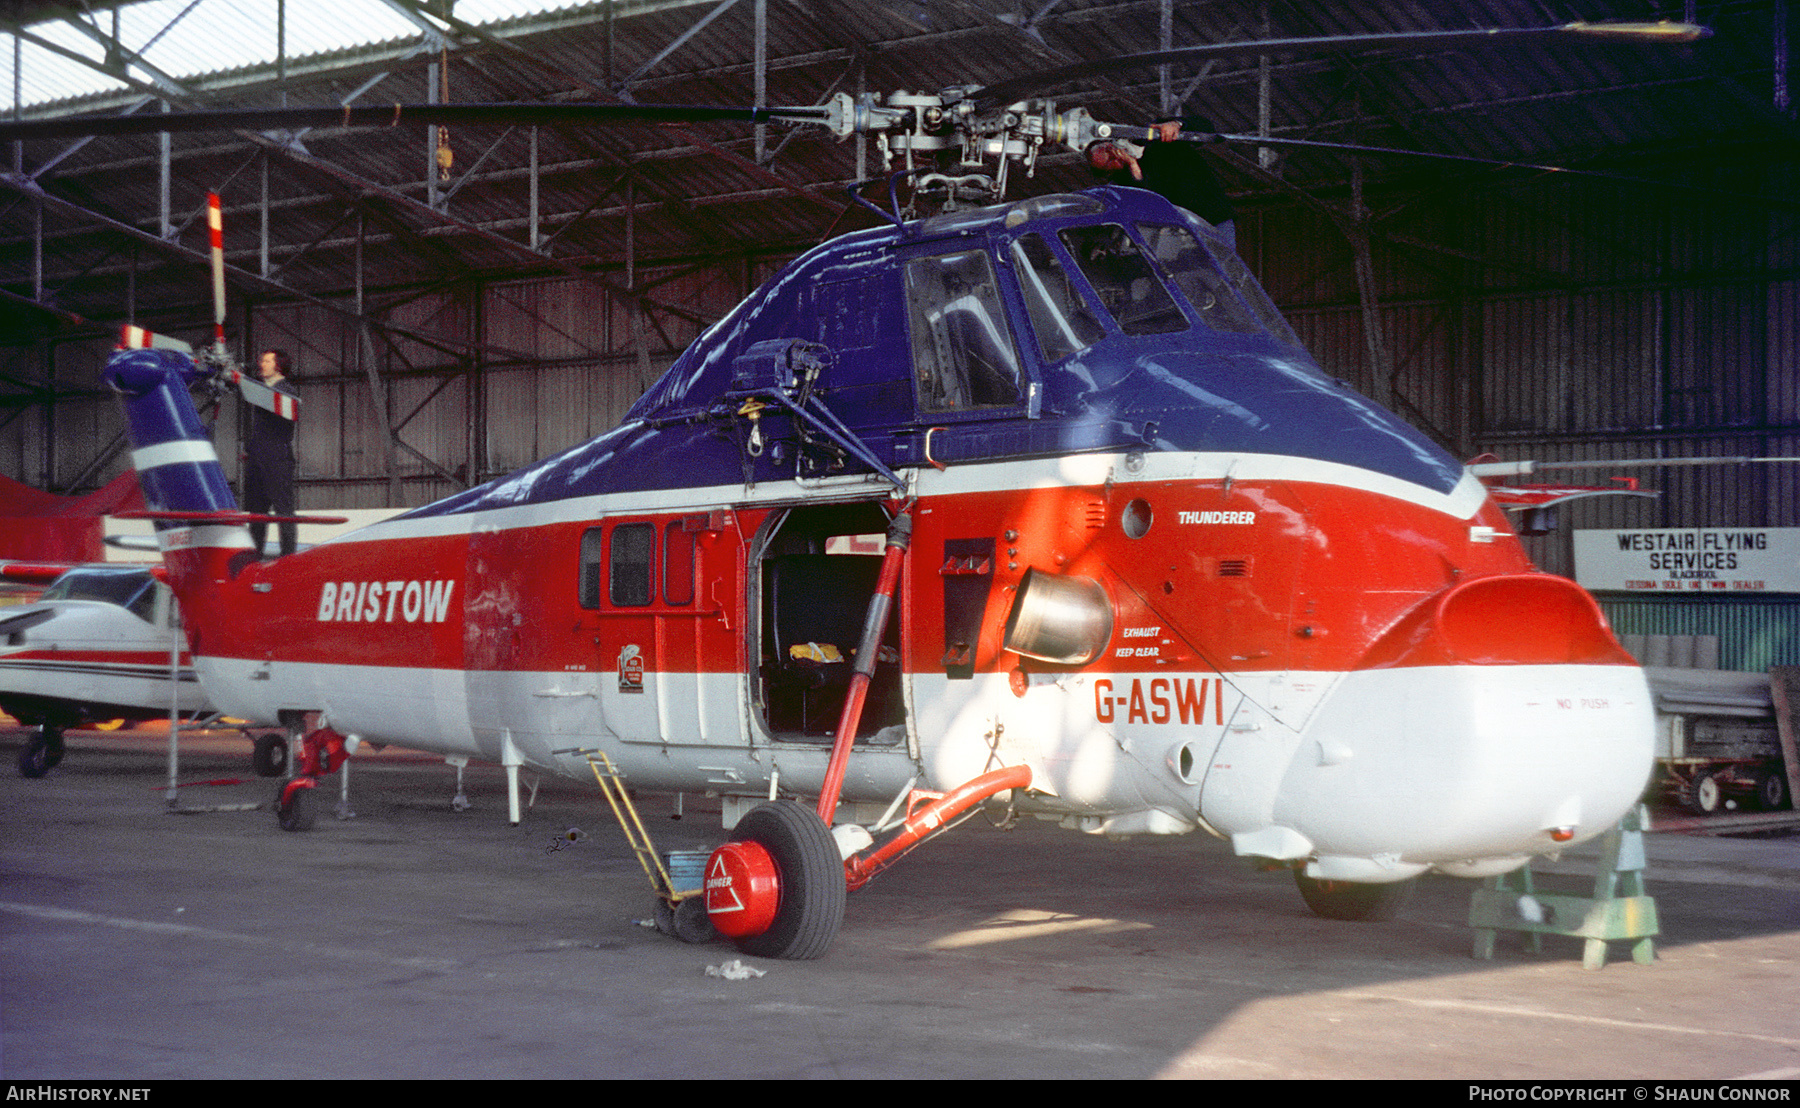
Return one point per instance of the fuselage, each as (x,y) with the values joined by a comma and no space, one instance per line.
(1292,620)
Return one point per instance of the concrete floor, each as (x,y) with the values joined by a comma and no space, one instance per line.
(415,941)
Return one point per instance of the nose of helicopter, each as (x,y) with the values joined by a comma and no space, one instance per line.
(1502,721)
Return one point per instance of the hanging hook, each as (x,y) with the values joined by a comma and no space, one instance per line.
(753,408)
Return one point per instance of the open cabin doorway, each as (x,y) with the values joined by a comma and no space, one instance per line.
(817,568)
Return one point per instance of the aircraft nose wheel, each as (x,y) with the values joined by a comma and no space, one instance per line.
(42,752)
(777,890)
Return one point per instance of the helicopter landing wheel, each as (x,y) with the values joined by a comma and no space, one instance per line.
(1352,900)
(269,756)
(293,808)
(777,889)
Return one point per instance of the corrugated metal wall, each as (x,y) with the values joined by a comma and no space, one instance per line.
(1568,319)
(477,380)
(55,447)
(1753,634)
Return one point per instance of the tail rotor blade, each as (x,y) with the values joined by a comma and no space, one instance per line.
(216,229)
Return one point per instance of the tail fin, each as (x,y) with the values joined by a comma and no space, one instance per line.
(170,448)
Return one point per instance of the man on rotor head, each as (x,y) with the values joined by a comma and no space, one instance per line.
(1176,170)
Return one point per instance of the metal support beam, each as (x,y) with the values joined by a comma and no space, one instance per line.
(1265,156)
(1165,39)
(1368,295)
(431,140)
(378,393)
(193,257)
(262,214)
(760,82)
(1779,33)
(680,40)
(165,226)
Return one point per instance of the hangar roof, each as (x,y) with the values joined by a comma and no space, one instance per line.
(86,231)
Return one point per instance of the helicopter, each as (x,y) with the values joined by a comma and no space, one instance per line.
(1144,568)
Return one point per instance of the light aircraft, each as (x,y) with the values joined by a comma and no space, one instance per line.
(1146,568)
(95,646)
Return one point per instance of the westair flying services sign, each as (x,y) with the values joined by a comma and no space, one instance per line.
(1690,559)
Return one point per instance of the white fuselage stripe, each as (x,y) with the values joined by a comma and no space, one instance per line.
(174,452)
(1462,502)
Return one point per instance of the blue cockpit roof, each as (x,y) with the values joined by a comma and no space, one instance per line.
(1186,382)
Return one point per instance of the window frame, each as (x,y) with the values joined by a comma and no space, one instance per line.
(995,316)
(615,568)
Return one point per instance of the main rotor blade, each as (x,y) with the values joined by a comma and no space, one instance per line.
(1007,91)
(394,115)
(1388,151)
(1483,163)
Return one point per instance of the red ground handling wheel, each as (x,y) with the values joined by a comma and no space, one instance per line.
(777,889)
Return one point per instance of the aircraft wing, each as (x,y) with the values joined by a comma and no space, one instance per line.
(13,624)
(147,544)
(1492,470)
(34,573)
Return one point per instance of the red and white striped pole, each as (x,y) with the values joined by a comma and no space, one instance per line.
(216,227)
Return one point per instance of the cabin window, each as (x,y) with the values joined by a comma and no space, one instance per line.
(587,588)
(1061,319)
(633,547)
(143,605)
(1198,279)
(963,353)
(1053,206)
(678,564)
(630,574)
(1124,280)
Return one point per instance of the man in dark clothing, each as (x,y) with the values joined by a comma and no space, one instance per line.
(1176,170)
(269,457)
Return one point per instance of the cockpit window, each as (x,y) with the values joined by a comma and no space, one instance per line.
(1239,275)
(1197,278)
(1051,206)
(963,353)
(1124,280)
(1059,316)
(135,591)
